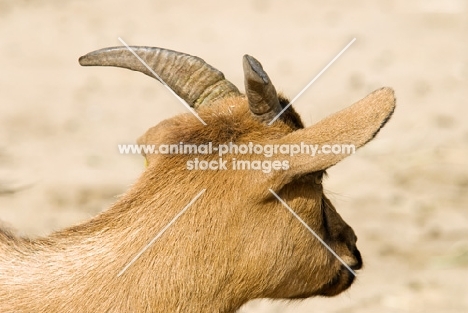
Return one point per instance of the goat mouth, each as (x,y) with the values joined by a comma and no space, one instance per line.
(339,283)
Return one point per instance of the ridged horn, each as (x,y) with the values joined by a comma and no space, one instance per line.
(262,96)
(191,78)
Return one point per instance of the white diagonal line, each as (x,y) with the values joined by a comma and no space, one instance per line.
(160,233)
(313,233)
(163,82)
(313,80)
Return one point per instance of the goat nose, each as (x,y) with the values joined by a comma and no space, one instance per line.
(358,260)
(354,261)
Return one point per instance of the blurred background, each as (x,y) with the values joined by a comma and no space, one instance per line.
(405,194)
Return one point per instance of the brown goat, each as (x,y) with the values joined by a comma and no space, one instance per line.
(236,242)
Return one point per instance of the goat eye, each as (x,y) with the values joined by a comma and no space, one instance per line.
(318,178)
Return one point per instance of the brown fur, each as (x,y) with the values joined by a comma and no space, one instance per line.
(235,243)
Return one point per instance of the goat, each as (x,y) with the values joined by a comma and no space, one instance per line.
(236,242)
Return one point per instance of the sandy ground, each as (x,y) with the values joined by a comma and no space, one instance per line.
(405,194)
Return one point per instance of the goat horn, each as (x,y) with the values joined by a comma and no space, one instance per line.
(263,100)
(191,78)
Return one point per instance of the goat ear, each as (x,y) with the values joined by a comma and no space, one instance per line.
(356,125)
(154,136)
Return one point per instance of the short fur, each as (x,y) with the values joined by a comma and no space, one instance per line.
(237,242)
